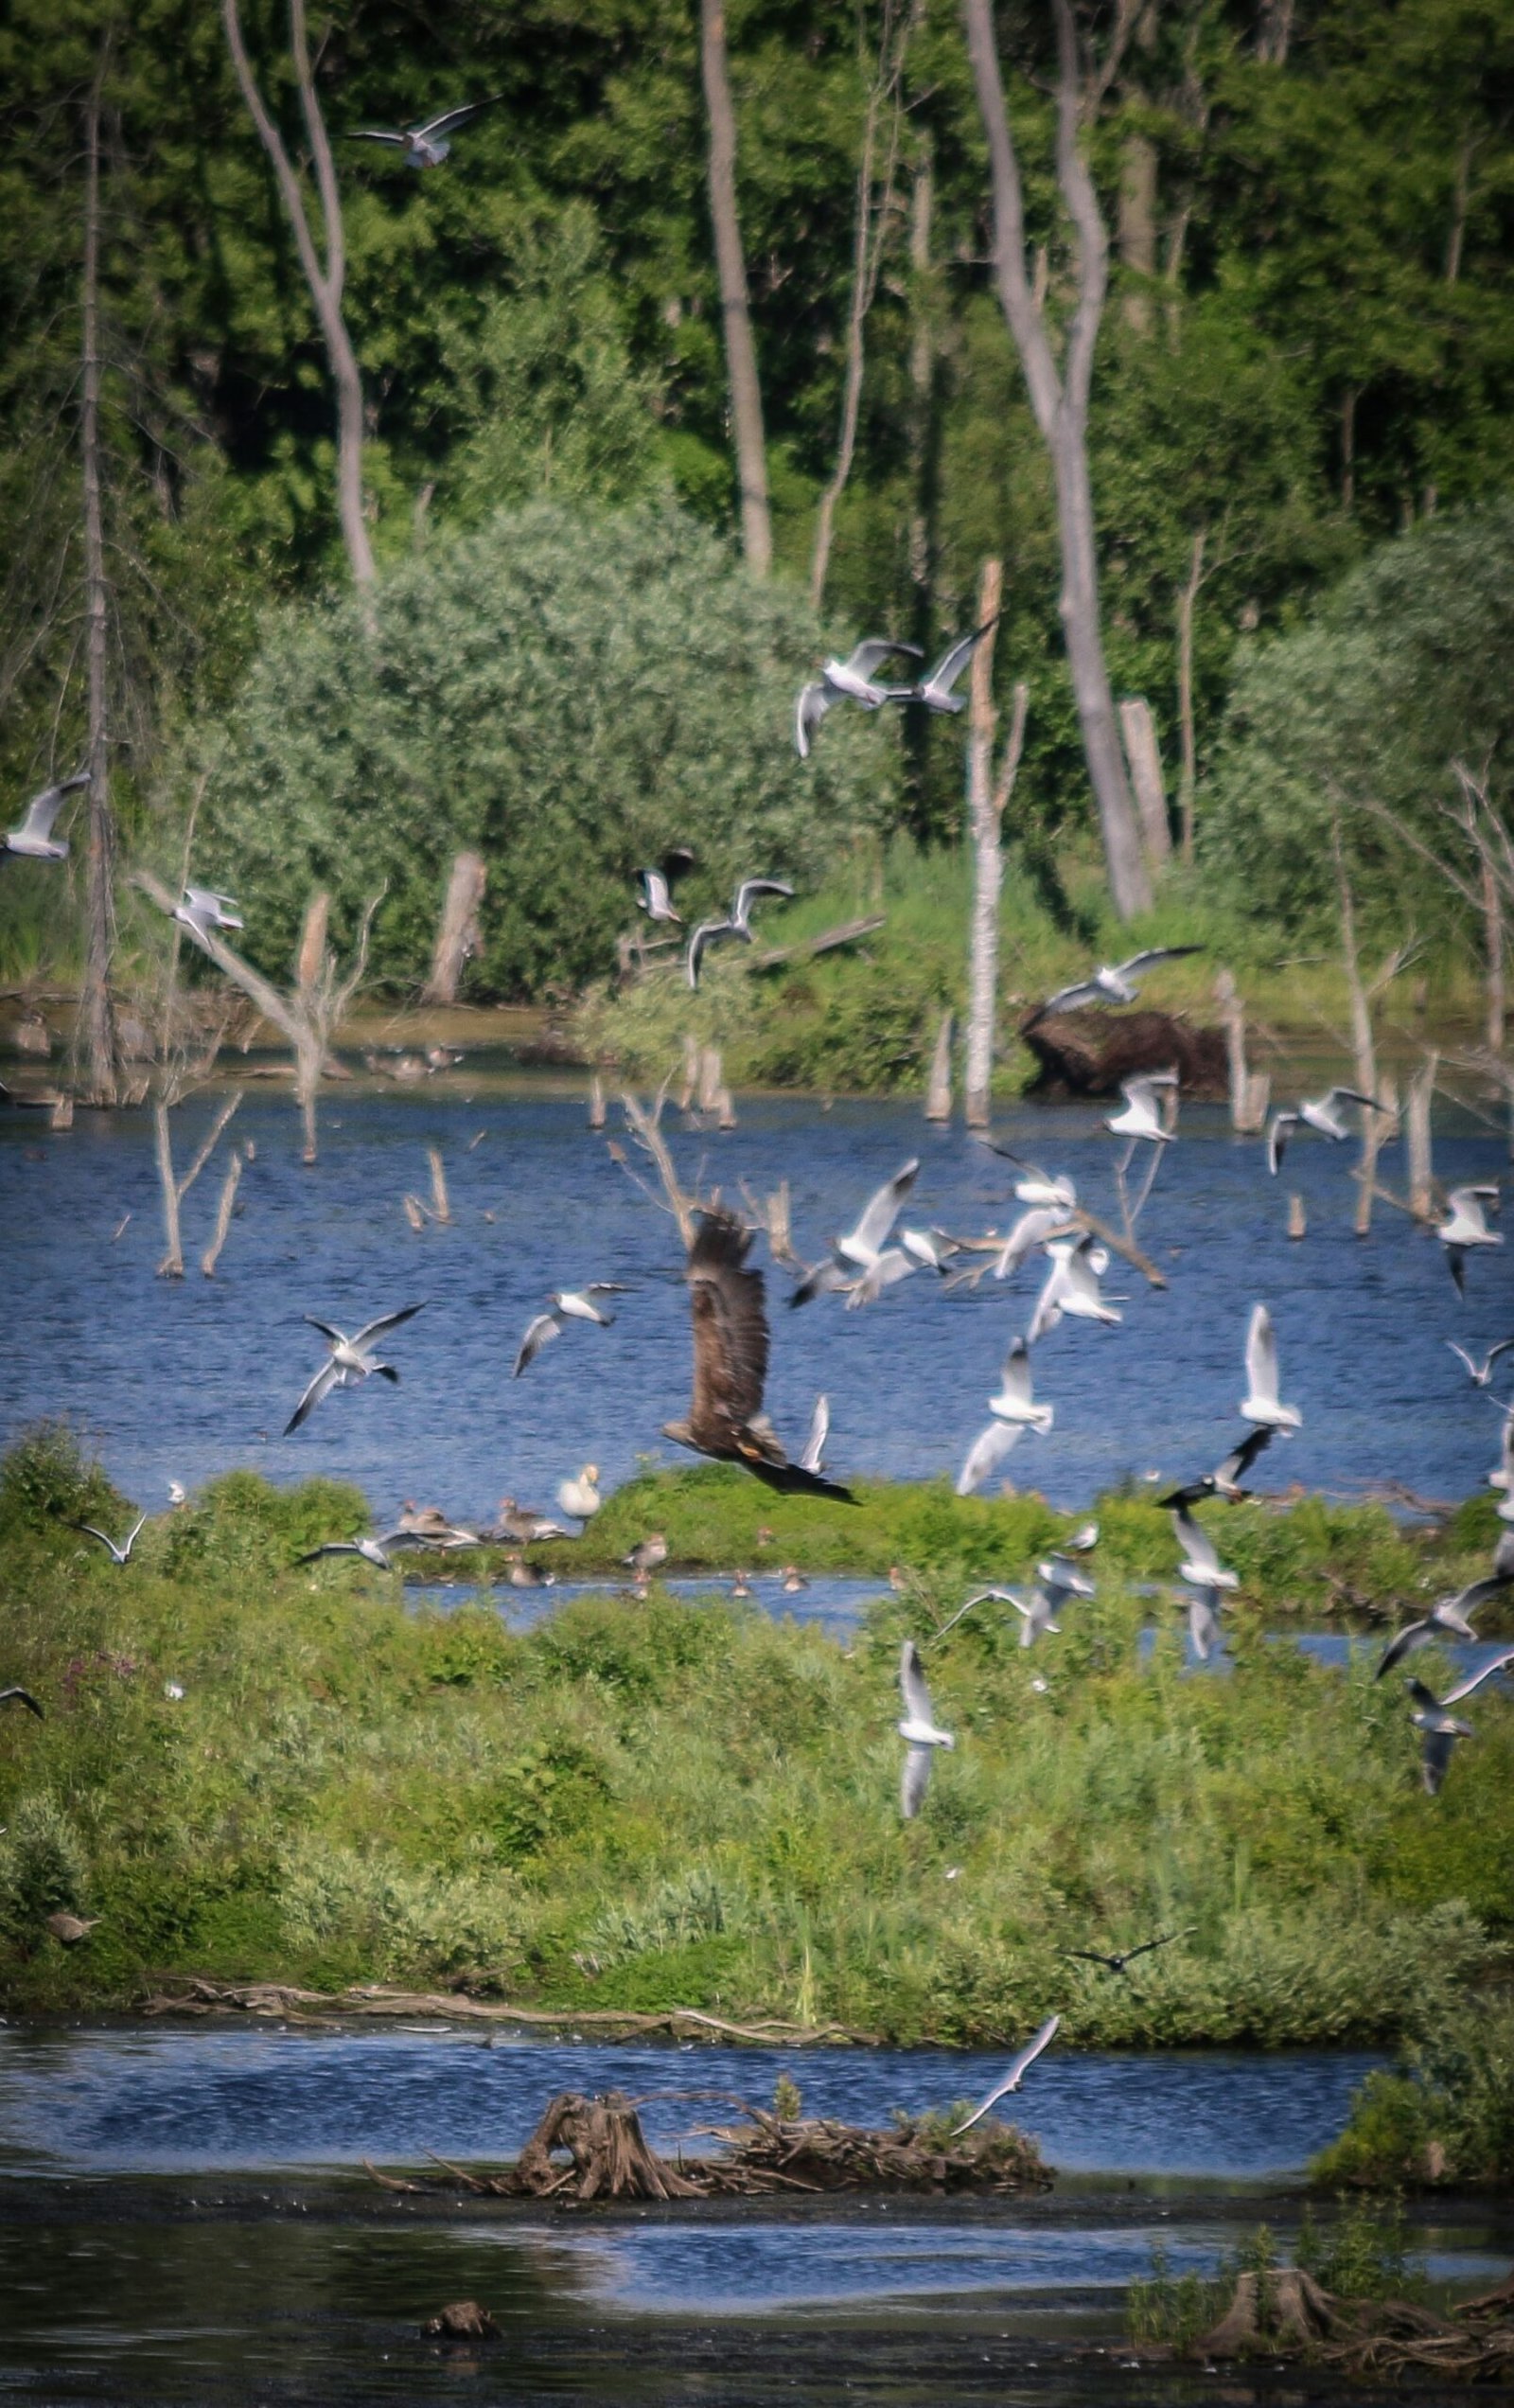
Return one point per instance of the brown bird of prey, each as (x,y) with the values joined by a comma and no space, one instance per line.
(725,1417)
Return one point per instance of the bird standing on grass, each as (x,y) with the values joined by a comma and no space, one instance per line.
(581,1497)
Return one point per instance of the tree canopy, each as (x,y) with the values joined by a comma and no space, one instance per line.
(570,695)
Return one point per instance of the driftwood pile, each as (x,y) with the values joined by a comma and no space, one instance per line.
(608,2157)
(1091,1053)
(1286,2312)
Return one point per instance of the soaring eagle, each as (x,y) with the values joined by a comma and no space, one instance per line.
(725,1417)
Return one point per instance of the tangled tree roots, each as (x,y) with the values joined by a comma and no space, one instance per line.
(1091,1053)
(1285,2313)
(609,2157)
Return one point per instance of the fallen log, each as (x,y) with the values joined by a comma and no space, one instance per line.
(808,948)
(1093,1053)
(195,1995)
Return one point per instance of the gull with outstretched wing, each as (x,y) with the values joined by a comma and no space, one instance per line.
(350,1361)
(1019,2067)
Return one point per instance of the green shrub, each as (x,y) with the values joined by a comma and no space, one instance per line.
(1447,2117)
(571,693)
(41,1867)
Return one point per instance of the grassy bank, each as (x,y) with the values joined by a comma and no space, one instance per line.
(652,1803)
(863,1019)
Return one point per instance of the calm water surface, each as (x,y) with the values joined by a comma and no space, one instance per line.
(165,2100)
(181,1380)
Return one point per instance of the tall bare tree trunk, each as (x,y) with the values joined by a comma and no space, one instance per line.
(922,383)
(988,796)
(1187,601)
(325,282)
(172,1266)
(457,937)
(1493,941)
(98,1029)
(1144,756)
(735,308)
(1059,399)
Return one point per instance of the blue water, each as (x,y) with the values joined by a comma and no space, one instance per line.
(832,1602)
(169,2100)
(180,1380)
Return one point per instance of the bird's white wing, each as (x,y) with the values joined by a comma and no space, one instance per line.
(376,134)
(1462,1356)
(1154,954)
(386,1321)
(912,1684)
(1239,1462)
(749,889)
(1354,1095)
(1047,1304)
(1499,1663)
(324,1380)
(1204,1622)
(1277,1139)
(453,118)
(986,1453)
(815,700)
(1071,999)
(914,1780)
(954,660)
(1404,1643)
(1016,1378)
(813,1455)
(879,1214)
(703,935)
(873,650)
(890,1266)
(1262,1356)
(43,809)
(540,1333)
(1032,1228)
(1018,2068)
(1201,1550)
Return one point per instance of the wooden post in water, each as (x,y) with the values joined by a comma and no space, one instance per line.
(711,1078)
(596,1102)
(1250,1091)
(1378,1129)
(1297,1225)
(690,1082)
(1416,1139)
(228,1200)
(1140,731)
(939,1092)
(441,1206)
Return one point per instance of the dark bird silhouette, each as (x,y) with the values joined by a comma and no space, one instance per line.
(21,1697)
(1117,1959)
(1225,1478)
(726,1419)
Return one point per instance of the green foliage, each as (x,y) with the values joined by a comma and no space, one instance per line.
(45,1478)
(552,399)
(1362,2253)
(1408,668)
(1449,2116)
(570,695)
(1173,2308)
(653,1802)
(41,1868)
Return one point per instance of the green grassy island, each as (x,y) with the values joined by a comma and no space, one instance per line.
(251,1769)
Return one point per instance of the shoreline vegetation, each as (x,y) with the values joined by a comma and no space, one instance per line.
(253,1772)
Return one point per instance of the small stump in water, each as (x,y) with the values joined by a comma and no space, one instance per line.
(612,2158)
(464,2320)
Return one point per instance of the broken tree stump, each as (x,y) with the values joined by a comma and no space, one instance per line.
(458,936)
(1091,1053)
(610,2156)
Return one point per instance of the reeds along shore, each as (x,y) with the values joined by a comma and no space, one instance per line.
(254,1770)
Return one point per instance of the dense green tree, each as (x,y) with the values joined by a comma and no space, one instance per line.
(1407,669)
(570,695)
